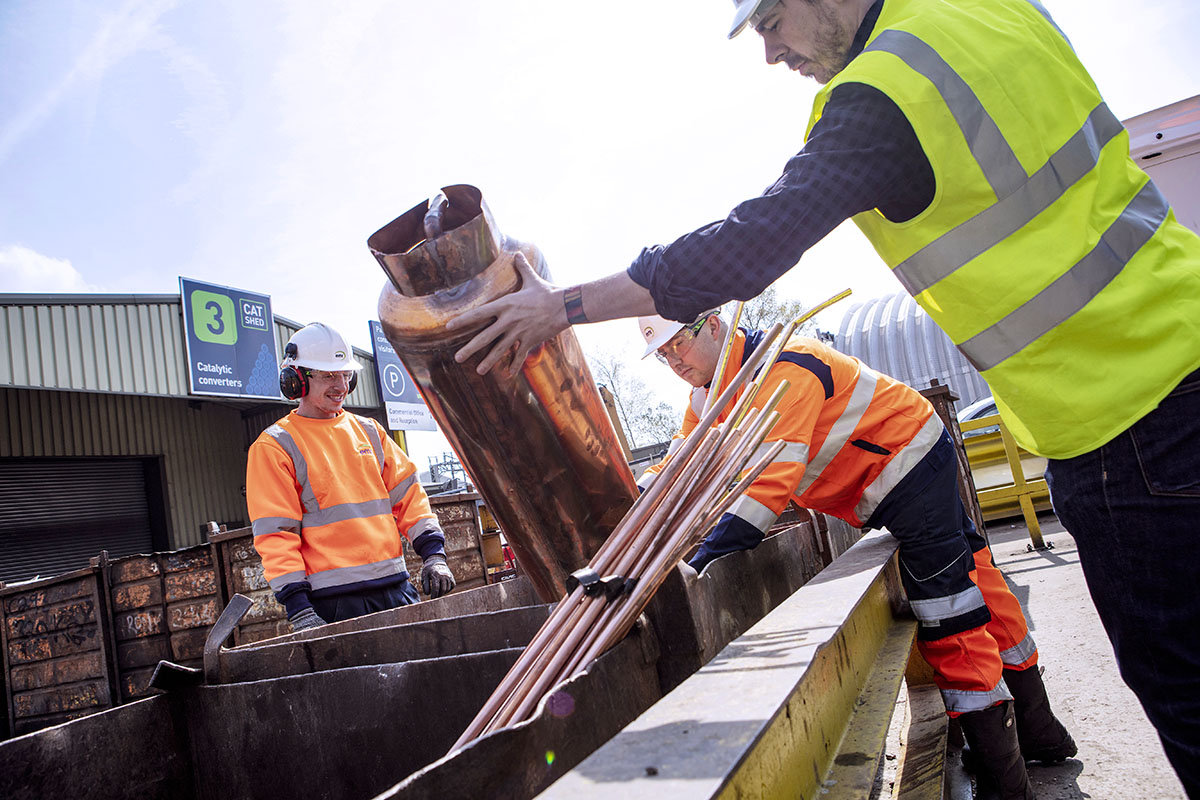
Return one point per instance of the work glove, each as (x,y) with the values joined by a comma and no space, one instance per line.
(305,619)
(436,577)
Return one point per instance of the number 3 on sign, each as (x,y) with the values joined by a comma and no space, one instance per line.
(213,317)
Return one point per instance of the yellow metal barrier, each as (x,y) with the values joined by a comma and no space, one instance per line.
(1001,470)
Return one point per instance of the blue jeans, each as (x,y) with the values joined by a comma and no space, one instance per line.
(1133,507)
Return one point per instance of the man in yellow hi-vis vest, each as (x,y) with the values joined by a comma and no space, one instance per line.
(968,142)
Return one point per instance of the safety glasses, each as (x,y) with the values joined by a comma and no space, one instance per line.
(680,343)
(342,376)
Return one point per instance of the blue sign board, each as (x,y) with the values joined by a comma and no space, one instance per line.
(406,411)
(230,337)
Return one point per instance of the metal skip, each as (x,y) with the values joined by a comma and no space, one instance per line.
(539,446)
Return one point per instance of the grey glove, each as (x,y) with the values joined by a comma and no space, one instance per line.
(307,618)
(436,577)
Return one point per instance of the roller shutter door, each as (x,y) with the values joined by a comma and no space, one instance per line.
(55,514)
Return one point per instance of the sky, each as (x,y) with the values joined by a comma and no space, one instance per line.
(259,143)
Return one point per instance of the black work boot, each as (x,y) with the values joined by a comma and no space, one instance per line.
(1043,738)
(1000,770)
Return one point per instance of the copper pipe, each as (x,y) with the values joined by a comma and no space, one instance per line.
(553,674)
(543,674)
(545,636)
(659,569)
(726,349)
(540,447)
(681,534)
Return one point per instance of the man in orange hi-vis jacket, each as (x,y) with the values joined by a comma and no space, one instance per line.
(330,494)
(864,447)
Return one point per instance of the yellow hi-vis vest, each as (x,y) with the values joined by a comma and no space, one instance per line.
(1047,255)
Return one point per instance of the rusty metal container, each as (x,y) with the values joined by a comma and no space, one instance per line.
(57,652)
(162,605)
(539,446)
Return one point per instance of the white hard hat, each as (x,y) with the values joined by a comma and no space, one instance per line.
(318,346)
(657,330)
(744,10)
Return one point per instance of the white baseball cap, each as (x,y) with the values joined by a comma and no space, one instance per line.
(746,11)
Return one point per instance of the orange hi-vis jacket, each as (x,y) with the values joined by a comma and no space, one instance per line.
(328,499)
(851,433)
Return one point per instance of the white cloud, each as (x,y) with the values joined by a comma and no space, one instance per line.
(25,270)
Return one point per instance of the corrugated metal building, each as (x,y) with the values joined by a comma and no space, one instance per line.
(895,336)
(102,446)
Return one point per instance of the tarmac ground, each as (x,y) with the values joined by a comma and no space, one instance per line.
(1120,757)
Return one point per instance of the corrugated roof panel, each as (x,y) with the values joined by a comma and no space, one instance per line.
(32,362)
(894,335)
(174,353)
(6,346)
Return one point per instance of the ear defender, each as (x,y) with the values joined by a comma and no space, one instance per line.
(293,383)
(353,383)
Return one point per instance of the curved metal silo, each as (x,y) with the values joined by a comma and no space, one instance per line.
(894,335)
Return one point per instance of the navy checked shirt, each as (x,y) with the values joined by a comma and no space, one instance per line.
(862,154)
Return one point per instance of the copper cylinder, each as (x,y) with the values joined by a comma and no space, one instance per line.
(539,446)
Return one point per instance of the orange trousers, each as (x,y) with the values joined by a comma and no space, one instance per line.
(972,661)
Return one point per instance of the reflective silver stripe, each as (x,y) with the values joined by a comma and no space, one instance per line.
(748,509)
(344,511)
(699,398)
(423,525)
(674,445)
(1075,159)
(843,429)
(964,702)
(647,479)
(1075,288)
(265,525)
(895,470)
(283,580)
(363,572)
(373,435)
(308,500)
(991,150)
(936,609)
(401,489)
(792,453)
(1019,653)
